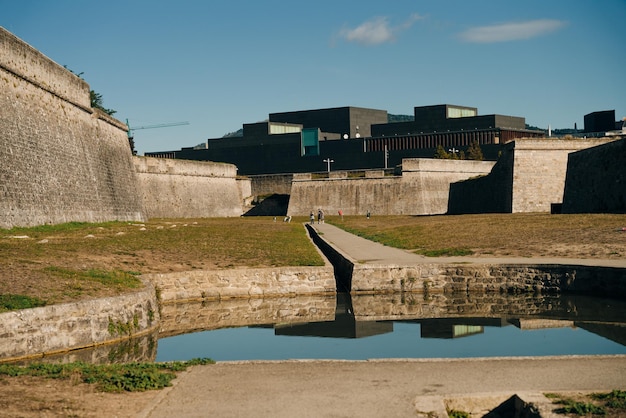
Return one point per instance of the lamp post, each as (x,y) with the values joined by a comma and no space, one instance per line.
(328,161)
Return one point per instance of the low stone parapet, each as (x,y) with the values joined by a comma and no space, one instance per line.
(243,283)
(185,317)
(52,329)
(501,278)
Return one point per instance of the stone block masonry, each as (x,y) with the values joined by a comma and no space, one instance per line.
(596,180)
(189,189)
(57,328)
(60,160)
(243,283)
(528,177)
(185,317)
(489,278)
(422,189)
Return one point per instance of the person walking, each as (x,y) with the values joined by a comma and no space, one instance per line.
(312,218)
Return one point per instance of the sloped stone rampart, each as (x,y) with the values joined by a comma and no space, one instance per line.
(243,283)
(70,326)
(188,189)
(528,177)
(596,180)
(60,160)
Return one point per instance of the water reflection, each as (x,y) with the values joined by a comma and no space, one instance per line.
(376,326)
(396,325)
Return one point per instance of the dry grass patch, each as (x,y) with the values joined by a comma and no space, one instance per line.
(520,235)
(56,263)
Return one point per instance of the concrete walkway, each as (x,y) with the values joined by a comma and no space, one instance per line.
(395,388)
(384,388)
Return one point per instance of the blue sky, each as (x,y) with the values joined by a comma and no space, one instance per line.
(218,64)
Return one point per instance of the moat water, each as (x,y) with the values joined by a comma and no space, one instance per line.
(395,326)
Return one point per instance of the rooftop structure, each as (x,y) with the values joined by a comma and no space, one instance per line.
(355,138)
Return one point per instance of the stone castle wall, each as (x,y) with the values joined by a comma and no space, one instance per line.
(188,189)
(422,189)
(596,180)
(60,160)
(528,177)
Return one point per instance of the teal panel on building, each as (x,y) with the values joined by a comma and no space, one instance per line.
(310,142)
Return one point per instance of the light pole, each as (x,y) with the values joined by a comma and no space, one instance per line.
(328,161)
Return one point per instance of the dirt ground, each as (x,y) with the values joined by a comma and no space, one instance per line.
(28,397)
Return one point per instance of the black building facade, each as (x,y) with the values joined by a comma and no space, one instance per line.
(354,139)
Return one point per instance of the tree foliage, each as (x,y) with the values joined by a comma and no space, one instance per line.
(474,152)
(97,103)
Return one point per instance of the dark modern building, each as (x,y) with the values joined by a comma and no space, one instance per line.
(354,138)
(602,121)
(450,126)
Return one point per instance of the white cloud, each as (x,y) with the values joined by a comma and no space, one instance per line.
(511,31)
(377,31)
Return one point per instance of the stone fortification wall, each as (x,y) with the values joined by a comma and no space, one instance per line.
(263,185)
(60,160)
(596,180)
(50,329)
(491,193)
(188,189)
(539,171)
(528,177)
(422,189)
(243,283)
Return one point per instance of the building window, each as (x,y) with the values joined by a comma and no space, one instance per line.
(460,112)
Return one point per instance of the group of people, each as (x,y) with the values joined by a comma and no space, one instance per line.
(320,217)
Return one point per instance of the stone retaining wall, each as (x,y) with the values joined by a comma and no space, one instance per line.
(185,317)
(243,283)
(424,278)
(71,326)
(407,306)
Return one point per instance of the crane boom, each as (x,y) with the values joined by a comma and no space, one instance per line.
(160,125)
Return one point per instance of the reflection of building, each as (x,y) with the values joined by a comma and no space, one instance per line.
(344,325)
(354,138)
(457,327)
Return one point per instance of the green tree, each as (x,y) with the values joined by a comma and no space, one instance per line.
(474,152)
(97,103)
(441,153)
